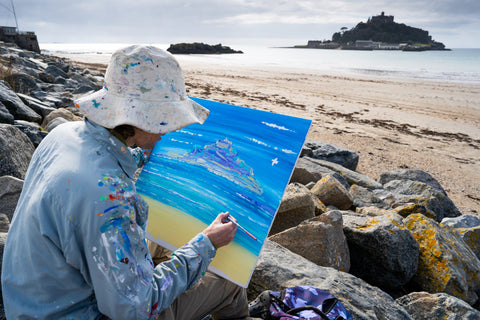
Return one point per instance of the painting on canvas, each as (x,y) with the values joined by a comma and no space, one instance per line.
(240,160)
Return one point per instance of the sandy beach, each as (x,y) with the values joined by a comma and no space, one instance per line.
(391,123)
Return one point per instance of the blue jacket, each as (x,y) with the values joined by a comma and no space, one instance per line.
(76,247)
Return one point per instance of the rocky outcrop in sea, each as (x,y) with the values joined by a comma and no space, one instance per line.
(392,248)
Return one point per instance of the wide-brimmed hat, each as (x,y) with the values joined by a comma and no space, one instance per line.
(144,87)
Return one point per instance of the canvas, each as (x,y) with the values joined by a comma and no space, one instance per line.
(240,160)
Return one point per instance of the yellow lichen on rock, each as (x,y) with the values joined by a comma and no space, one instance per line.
(446,263)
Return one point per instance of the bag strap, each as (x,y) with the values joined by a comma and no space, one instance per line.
(311,308)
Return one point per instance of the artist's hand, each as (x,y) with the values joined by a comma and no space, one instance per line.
(219,232)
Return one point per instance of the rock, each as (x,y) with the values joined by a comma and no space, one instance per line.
(16,150)
(36,105)
(434,201)
(54,123)
(21,82)
(362,197)
(10,189)
(372,211)
(331,192)
(199,48)
(463,221)
(46,77)
(306,171)
(446,263)
(471,236)
(5,116)
(468,227)
(83,89)
(320,240)
(352,177)
(410,208)
(3,238)
(297,205)
(382,250)
(32,130)
(55,72)
(413,175)
(60,113)
(427,306)
(15,106)
(4,223)
(278,268)
(324,151)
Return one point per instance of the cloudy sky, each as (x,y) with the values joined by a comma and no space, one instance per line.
(456,23)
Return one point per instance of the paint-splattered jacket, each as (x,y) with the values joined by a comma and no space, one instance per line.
(76,246)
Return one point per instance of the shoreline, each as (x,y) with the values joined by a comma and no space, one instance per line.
(392,123)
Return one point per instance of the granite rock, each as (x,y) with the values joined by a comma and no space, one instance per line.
(16,150)
(428,306)
(279,268)
(320,240)
(383,252)
(446,263)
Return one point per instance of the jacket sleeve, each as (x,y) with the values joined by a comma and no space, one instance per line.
(125,283)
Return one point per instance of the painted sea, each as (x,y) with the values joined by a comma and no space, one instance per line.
(240,160)
(457,65)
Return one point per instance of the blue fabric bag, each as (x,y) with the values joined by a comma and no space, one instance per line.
(306,302)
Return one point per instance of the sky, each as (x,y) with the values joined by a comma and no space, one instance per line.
(456,23)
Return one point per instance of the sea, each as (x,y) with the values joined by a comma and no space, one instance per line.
(458,65)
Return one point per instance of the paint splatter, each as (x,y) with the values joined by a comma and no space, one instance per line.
(123,227)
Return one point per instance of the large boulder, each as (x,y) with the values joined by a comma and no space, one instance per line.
(463,221)
(324,151)
(382,250)
(320,240)
(413,175)
(4,222)
(434,201)
(427,306)
(446,263)
(10,190)
(60,113)
(363,197)
(351,176)
(15,106)
(36,105)
(16,150)
(5,116)
(32,130)
(307,171)
(21,82)
(297,205)
(279,268)
(468,226)
(332,193)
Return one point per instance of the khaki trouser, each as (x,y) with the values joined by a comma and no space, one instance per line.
(211,295)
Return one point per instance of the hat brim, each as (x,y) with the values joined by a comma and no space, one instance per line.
(159,116)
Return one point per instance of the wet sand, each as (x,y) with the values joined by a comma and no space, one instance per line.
(391,123)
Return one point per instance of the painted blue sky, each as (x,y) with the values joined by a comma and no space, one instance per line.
(240,160)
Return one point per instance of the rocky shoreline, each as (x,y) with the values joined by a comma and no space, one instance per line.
(392,248)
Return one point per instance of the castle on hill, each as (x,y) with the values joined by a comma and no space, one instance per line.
(380,32)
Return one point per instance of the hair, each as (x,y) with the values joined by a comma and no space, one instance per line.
(123,132)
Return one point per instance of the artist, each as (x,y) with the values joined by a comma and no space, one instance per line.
(76,247)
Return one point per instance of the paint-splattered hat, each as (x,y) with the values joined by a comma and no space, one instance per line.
(144,87)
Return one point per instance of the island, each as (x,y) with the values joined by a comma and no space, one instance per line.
(200,48)
(378,33)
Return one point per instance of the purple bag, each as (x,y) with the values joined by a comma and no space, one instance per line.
(306,302)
